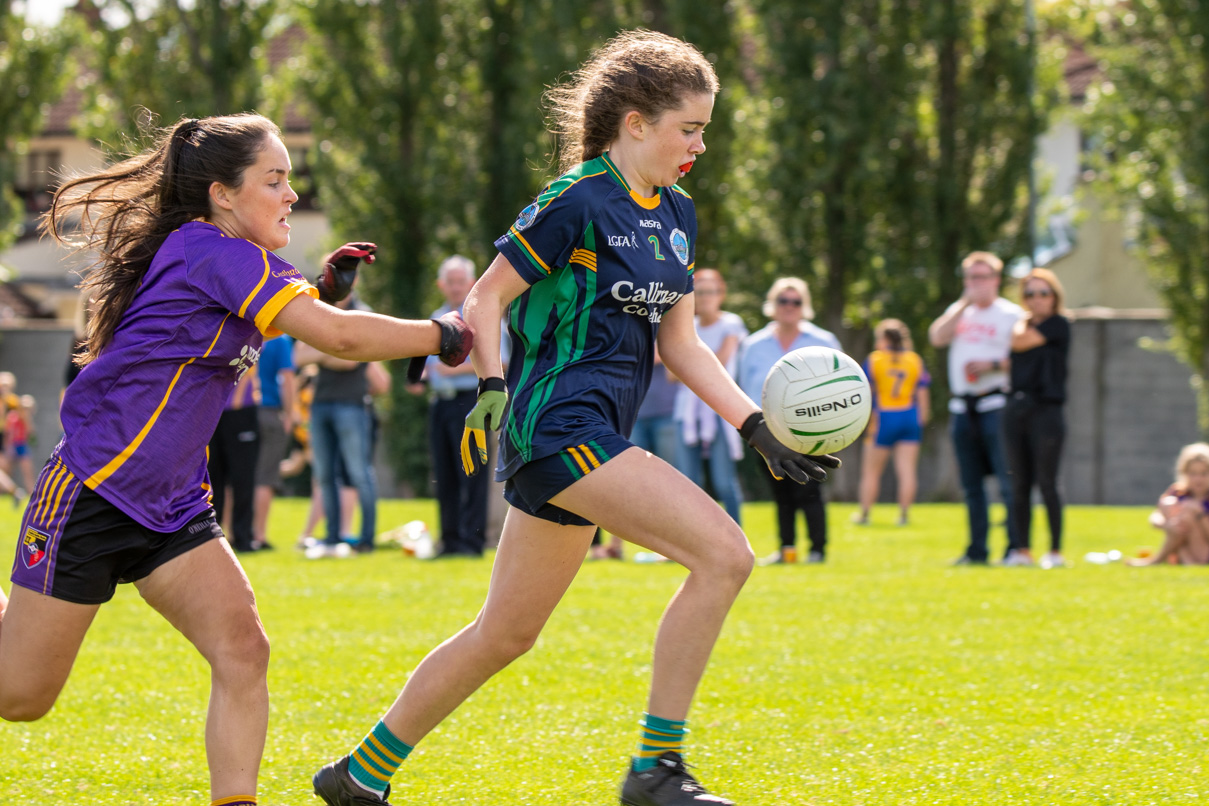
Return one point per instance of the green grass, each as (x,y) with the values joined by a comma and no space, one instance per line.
(883,677)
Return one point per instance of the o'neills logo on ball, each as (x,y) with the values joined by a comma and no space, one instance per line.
(835,405)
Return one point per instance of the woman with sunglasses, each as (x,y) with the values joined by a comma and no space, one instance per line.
(788,306)
(1034,426)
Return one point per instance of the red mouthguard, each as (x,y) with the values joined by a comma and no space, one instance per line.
(686,167)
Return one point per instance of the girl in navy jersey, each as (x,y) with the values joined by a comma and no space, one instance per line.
(591,275)
(184,291)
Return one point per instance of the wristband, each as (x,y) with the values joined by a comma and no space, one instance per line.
(493,384)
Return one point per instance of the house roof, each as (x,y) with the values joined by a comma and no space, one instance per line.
(1080,70)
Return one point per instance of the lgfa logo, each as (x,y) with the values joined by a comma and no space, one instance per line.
(630,240)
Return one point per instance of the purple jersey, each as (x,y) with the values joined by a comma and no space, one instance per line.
(137,420)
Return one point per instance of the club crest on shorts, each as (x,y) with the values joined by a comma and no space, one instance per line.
(33,546)
(679,245)
(527,215)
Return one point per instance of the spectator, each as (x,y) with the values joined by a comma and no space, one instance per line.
(703,436)
(8,402)
(231,462)
(977,329)
(901,408)
(461,499)
(275,420)
(1183,512)
(18,432)
(342,425)
(788,305)
(1034,424)
(300,460)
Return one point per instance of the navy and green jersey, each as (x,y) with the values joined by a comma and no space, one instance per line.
(604,265)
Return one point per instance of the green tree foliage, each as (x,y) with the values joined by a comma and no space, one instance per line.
(1149,125)
(175,59)
(32,76)
(900,137)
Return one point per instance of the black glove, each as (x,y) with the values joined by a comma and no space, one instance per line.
(782,460)
(335,280)
(456,341)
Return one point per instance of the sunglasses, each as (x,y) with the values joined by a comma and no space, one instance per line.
(1043,293)
(797,303)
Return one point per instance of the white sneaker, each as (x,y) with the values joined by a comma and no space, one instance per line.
(321,551)
(1018,558)
(1052,559)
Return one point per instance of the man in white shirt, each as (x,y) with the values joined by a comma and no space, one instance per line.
(977,329)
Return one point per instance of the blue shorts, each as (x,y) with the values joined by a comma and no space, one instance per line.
(76,546)
(21,449)
(897,426)
(534,483)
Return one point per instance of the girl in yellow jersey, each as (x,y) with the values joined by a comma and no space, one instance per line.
(902,407)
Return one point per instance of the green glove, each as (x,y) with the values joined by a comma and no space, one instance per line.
(487,414)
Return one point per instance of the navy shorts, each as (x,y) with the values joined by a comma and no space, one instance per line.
(532,486)
(76,546)
(898,426)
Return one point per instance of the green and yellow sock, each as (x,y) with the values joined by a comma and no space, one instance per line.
(659,735)
(235,800)
(377,758)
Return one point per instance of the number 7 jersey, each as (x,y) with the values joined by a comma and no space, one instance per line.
(604,264)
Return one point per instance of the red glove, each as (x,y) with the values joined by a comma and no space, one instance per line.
(335,280)
(456,341)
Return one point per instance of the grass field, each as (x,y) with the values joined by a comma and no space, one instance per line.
(883,677)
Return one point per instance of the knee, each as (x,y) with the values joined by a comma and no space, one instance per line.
(502,646)
(243,654)
(733,564)
(25,706)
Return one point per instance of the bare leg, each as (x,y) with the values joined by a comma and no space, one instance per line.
(1177,527)
(206,596)
(262,502)
(534,566)
(873,464)
(690,529)
(315,515)
(40,637)
(349,503)
(906,464)
(536,562)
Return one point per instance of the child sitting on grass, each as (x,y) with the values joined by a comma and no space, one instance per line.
(1183,512)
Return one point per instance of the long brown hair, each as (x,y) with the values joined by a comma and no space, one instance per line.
(639,70)
(127,210)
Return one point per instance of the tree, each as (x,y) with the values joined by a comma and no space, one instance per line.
(32,75)
(175,59)
(1148,122)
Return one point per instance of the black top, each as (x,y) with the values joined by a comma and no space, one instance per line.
(342,385)
(1041,371)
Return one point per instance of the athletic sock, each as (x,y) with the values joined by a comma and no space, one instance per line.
(235,800)
(659,735)
(377,758)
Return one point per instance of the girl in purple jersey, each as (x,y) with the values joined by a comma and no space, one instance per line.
(635,113)
(183,292)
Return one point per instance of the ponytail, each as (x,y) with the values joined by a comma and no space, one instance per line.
(126,211)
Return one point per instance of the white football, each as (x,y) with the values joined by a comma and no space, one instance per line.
(816,400)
